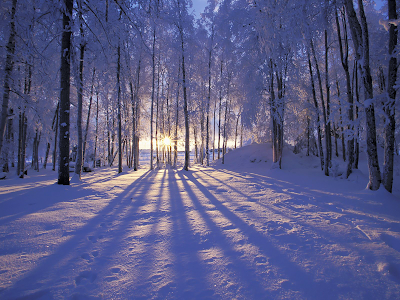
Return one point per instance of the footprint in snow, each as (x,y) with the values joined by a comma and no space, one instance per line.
(86,256)
(115,270)
(260,260)
(92,238)
(85,277)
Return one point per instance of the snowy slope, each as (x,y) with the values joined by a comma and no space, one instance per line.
(235,231)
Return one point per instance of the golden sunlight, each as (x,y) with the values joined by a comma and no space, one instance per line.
(166,141)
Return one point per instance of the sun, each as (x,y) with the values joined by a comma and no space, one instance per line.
(166,141)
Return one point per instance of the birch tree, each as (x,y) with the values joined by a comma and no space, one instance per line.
(359,32)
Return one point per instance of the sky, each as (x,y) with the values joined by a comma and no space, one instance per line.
(199,5)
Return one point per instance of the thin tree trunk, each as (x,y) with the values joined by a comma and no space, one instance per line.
(88,117)
(344,55)
(79,156)
(152,98)
(357,95)
(157,113)
(219,114)
(55,128)
(390,124)
(214,128)
(185,108)
(135,120)
(176,119)
(328,101)
(120,146)
(97,129)
(236,128)
(46,157)
(321,152)
(209,99)
(224,142)
(324,113)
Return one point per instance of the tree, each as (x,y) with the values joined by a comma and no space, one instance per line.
(8,70)
(79,157)
(390,125)
(359,32)
(63,166)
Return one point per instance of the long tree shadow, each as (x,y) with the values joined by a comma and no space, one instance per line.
(61,261)
(119,253)
(249,283)
(193,281)
(324,201)
(299,279)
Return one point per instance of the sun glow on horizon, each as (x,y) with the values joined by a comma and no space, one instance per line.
(166,141)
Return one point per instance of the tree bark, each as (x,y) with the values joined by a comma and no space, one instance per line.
(344,56)
(88,117)
(321,151)
(185,108)
(390,124)
(63,169)
(209,98)
(153,65)
(79,156)
(9,65)
(120,146)
(361,44)
(324,114)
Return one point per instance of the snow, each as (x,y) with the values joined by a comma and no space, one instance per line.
(235,231)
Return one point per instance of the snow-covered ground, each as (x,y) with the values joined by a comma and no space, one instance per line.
(235,231)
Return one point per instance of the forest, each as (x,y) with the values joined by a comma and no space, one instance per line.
(91,83)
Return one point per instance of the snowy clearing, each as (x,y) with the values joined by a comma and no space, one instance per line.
(233,231)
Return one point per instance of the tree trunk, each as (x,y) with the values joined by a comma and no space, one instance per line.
(356,141)
(185,108)
(9,65)
(219,114)
(135,121)
(79,156)
(157,113)
(390,124)
(88,117)
(55,128)
(177,119)
(63,169)
(324,113)
(361,44)
(236,128)
(214,128)
(209,98)
(344,55)
(120,146)
(328,103)
(23,124)
(97,129)
(152,97)
(46,157)
(224,141)
(321,152)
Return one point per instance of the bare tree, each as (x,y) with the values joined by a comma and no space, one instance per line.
(390,125)
(359,32)
(63,168)
(9,65)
